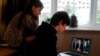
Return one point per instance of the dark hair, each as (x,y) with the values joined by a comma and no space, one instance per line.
(28,10)
(36,3)
(60,16)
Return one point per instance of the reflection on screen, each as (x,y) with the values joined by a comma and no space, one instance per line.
(81,45)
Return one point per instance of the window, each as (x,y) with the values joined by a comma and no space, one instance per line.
(46,12)
(83,9)
(98,12)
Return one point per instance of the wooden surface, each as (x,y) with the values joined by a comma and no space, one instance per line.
(6,51)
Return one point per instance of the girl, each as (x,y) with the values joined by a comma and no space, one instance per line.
(28,18)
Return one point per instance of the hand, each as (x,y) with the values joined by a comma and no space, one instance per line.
(30,38)
(78,50)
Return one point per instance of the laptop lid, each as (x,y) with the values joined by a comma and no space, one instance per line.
(80,45)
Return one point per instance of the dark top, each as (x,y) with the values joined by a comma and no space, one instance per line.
(45,43)
(81,47)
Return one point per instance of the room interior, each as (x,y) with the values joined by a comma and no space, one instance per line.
(64,39)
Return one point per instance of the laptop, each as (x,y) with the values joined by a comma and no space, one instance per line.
(80,46)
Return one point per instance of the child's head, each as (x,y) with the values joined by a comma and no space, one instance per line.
(79,41)
(60,20)
(34,7)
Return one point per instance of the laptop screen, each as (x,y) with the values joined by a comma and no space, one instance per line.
(81,45)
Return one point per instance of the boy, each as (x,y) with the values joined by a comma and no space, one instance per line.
(45,42)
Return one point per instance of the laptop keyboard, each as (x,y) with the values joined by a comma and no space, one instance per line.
(72,54)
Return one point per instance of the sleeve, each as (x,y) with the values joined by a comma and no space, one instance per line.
(29,23)
(10,36)
(11,32)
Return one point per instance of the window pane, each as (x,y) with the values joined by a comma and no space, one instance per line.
(46,10)
(81,8)
(98,12)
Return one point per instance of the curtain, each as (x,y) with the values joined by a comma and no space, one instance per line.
(12,7)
